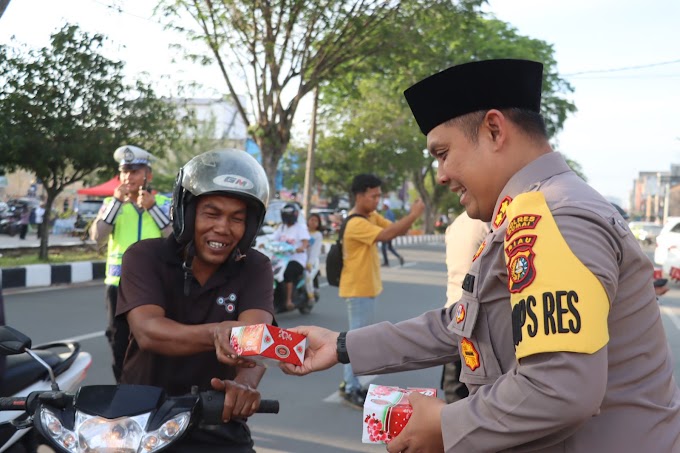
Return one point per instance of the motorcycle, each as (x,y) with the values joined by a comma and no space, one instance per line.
(121,418)
(44,368)
(10,225)
(279,253)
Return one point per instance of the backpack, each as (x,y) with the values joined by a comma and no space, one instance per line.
(334,259)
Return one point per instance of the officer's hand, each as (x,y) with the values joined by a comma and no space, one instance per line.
(423,432)
(121,192)
(240,401)
(225,351)
(320,353)
(145,199)
(418,207)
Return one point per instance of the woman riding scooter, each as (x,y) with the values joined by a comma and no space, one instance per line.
(297,235)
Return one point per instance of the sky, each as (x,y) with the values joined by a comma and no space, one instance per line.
(628,120)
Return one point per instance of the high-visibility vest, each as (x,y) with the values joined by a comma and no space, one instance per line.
(129,227)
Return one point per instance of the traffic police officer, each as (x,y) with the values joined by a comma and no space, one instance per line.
(560,334)
(132,214)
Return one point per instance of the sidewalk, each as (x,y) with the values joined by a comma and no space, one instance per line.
(13,242)
(36,275)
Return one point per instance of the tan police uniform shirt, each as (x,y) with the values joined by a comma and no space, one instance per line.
(558,327)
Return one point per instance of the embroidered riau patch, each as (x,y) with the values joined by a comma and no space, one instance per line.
(479,251)
(470,354)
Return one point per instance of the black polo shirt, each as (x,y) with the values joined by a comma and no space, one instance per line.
(152,274)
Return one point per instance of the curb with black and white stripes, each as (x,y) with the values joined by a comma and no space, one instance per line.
(417,239)
(36,275)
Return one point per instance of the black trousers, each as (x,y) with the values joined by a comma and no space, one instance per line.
(454,390)
(387,245)
(117,332)
(293,272)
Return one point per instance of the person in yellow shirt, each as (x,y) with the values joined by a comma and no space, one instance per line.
(360,280)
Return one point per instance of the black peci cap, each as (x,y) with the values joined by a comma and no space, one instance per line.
(470,87)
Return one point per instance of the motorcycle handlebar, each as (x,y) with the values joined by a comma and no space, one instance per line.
(9,403)
(213,404)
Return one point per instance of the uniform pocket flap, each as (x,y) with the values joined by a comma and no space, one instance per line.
(464,316)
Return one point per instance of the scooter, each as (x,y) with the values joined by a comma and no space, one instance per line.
(110,418)
(43,369)
(279,253)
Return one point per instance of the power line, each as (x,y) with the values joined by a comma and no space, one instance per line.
(625,68)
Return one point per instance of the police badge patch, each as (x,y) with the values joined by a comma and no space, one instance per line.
(521,269)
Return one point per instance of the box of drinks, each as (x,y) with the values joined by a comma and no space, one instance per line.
(263,343)
(386,412)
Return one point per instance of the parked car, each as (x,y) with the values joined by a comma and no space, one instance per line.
(667,239)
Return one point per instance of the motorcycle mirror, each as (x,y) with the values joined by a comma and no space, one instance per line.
(12,341)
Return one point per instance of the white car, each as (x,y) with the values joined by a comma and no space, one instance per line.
(668,240)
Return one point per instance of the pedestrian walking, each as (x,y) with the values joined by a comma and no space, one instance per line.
(387,245)
(39,216)
(24,217)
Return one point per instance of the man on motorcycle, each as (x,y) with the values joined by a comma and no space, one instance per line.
(181,295)
(296,234)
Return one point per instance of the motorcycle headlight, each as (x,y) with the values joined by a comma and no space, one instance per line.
(120,435)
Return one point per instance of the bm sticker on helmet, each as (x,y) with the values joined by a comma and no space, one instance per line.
(233,181)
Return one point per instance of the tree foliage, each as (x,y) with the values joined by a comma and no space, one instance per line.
(368,125)
(65,108)
(281,49)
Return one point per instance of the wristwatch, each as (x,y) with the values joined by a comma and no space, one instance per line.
(341,348)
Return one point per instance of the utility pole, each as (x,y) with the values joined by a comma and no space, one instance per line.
(309,168)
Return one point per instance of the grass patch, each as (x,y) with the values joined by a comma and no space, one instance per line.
(55,257)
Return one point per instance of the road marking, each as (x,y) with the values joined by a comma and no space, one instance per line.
(87,336)
(363,380)
(410,264)
(673,313)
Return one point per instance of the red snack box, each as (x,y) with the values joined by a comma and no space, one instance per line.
(262,341)
(386,412)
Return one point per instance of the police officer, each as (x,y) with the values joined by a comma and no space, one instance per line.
(562,342)
(132,214)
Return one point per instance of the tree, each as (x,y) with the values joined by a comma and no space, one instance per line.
(3,6)
(282,49)
(64,109)
(368,123)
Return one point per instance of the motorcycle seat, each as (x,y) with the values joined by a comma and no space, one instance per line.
(21,370)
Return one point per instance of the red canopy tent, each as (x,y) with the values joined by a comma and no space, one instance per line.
(102,190)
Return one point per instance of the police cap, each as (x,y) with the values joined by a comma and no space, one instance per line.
(471,87)
(132,157)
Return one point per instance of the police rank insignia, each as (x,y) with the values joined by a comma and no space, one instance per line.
(469,354)
(460,313)
(479,251)
(499,218)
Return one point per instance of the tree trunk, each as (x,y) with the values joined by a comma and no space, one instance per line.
(271,155)
(45,233)
(419,181)
(3,6)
